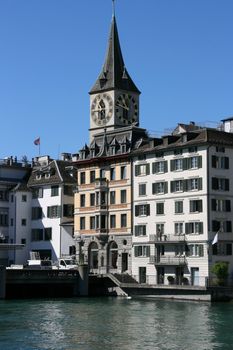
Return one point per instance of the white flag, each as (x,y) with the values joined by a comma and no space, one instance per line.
(215,240)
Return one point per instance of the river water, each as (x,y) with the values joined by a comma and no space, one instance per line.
(115,323)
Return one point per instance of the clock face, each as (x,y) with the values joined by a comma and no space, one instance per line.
(102,109)
(126,109)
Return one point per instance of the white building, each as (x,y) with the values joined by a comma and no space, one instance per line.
(52,183)
(183,191)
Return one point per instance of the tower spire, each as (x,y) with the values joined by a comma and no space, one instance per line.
(114,74)
(113,8)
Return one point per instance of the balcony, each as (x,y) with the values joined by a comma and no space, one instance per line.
(168,260)
(101,183)
(167,239)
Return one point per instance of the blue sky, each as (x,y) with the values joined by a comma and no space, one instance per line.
(178,52)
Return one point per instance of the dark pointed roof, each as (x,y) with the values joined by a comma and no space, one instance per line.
(114,75)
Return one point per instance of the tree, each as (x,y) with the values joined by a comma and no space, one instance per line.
(220,269)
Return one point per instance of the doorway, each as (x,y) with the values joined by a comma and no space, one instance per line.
(195,276)
(124,262)
(142,274)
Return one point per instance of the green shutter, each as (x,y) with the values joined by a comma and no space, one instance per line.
(214,161)
(137,170)
(199,183)
(147,169)
(165,166)
(153,168)
(200,162)
(172,165)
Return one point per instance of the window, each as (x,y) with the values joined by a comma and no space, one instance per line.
(159,188)
(37,234)
(4,195)
(195,206)
(12,222)
(24,198)
(68,190)
(92,222)
(159,208)
(24,222)
(142,169)
(82,178)
(196,250)
(48,233)
(82,223)
(177,186)
(221,205)
(220,184)
(178,151)
(123,220)
(102,173)
(194,227)
(123,196)
(159,167)
(123,172)
(36,213)
(159,229)
(92,176)
(37,192)
(112,221)
(178,228)
(112,174)
(222,225)
(68,210)
(82,200)
(178,207)
(142,189)
(112,197)
(3,216)
(220,162)
(220,149)
(140,230)
(54,191)
(92,199)
(192,149)
(142,251)
(23,241)
(54,211)
(142,210)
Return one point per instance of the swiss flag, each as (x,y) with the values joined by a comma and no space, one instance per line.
(37,141)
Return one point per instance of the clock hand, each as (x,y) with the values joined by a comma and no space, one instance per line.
(119,105)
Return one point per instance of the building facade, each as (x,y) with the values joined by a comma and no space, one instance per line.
(183,195)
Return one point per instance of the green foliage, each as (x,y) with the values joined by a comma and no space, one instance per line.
(220,269)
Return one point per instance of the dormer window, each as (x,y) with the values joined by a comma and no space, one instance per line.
(47,175)
(38,176)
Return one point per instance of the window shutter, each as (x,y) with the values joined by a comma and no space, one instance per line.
(48,212)
(153,188)
(226,163)
(136,251)
(136,210)
(213,204)
(228,226)
(185,163)
(153,168)
(185,185)
(199,183)
(215,225)
(214,161)
(200,205)
(201,250)
(144,230)
(200,227)
(199,162)
(148,209)
(172,164)
(227,187)
(186,227)
(147,251)
(165,187)
(165,166)
(214,183)
(147,169)
(136,231)
(172,184)
(228,205)
(137,167)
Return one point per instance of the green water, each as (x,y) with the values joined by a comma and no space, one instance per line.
(114,323)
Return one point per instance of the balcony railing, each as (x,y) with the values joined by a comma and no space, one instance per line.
(101,183)
(167,238)
(168,260)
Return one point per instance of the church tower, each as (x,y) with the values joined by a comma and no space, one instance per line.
(114,98)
